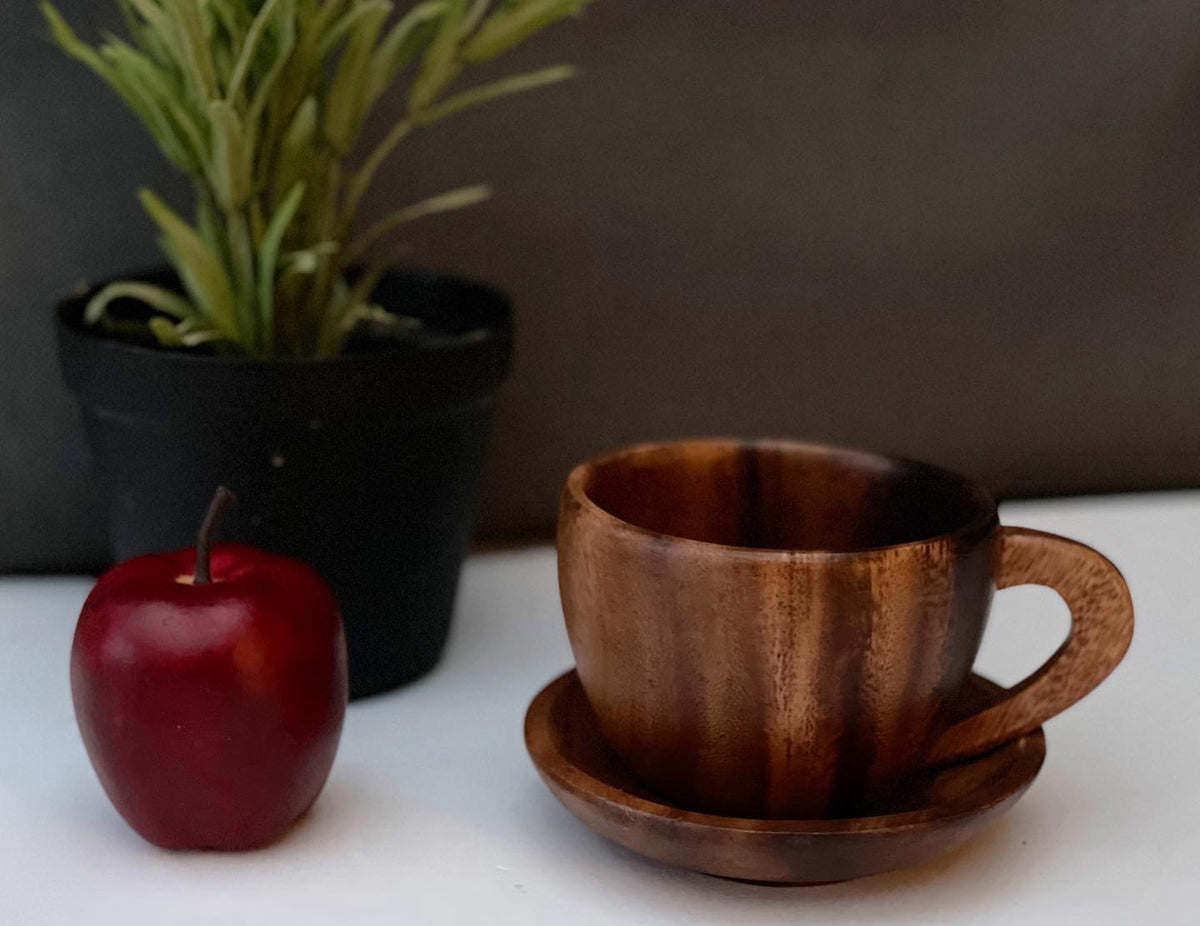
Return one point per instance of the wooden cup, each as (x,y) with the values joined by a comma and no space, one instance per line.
(778,629)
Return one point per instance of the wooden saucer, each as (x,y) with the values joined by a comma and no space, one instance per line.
(933,815)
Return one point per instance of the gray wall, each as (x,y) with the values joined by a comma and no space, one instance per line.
(967,232)
(70,160)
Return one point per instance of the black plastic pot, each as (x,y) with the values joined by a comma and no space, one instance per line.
(365,466)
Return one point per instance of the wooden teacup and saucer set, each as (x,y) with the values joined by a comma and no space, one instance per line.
(774,643)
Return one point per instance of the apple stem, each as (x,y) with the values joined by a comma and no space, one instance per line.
(221,500)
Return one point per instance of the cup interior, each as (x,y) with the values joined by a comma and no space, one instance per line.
(782,495)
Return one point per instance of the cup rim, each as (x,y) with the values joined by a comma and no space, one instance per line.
(983,521)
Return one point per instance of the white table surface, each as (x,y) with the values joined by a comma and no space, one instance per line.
(433,813)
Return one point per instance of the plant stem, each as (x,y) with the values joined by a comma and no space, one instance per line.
(241,250)
(475,16)
(361,181)
(221,500)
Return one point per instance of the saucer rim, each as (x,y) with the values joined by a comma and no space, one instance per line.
(554,764)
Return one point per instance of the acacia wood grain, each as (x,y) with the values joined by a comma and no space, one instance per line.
(777,629)
(932,815)
(1101,631)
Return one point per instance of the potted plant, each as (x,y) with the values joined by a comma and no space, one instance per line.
(346,402)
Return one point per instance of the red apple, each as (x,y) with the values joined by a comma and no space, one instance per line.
(210,688)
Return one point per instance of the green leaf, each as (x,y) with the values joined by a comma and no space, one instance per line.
(346,104)
(513,23)
(267,259)
(153,15)
(441,65)
(165,332)
(133,22)
(194,47)
(241,259)
(414,31)
(195,338)
(365,285)
(139,85)
(231,14)
(184,334)
(475,15)
(143,36)
(499,88)
(285,41)
(222,60)
(305,261)
(370,312)
(190,133)
(304,73)
(365,175)
(154,296)
(303,129)
(202,273)
(443,202)
(328,343)
(341,29)
(295,162)
(246,59)
(147,89)
(326,14)
(157,36)
(66,39)
(208,226)
(231,162)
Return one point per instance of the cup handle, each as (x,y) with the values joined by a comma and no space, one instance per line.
(1101,629)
